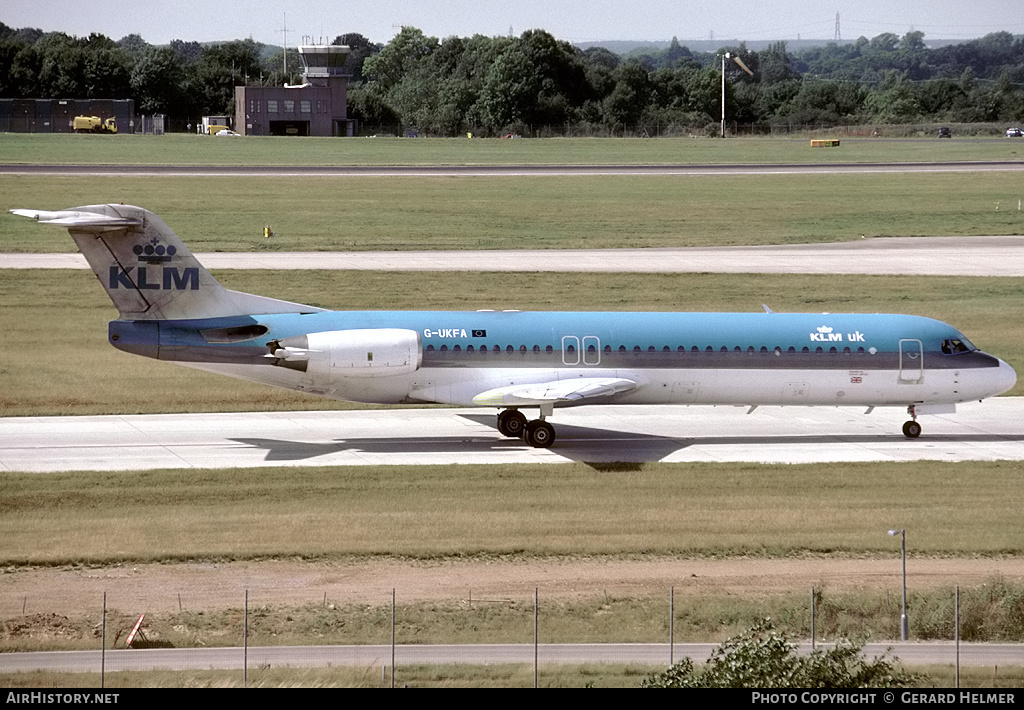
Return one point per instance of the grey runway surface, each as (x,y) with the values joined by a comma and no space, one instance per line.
(940,256)
(986,431)
(375,656)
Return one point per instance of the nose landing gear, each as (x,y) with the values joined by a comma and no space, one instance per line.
(912,429)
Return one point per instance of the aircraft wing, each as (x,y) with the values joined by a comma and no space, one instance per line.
(571,390)
(74,218)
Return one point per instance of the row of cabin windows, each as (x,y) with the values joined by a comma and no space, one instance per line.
(651,349)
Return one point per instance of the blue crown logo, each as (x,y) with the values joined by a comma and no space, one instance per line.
(154,252)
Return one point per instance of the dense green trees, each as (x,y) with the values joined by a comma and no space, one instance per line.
(210,81)
(56,64)
(537,84)
(184,80)
(155,80)
(534,83)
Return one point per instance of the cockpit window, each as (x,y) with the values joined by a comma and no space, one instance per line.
(955,346)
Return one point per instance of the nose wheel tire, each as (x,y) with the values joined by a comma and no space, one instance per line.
(540,434)
(512,423)
(911,430)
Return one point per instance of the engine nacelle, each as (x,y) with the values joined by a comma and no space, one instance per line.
(370,352)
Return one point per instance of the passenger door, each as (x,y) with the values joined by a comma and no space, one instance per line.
(911,361)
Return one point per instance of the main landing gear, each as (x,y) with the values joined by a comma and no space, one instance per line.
(912,429)
(537,433)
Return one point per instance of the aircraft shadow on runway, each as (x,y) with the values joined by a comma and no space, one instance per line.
(574,443)
(593,446)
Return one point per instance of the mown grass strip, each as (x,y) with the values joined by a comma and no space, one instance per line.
(403,213)
(446,676)
(661,509)
(420,676)
(188,149)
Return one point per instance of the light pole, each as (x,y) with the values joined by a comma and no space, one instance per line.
(741,65)
(724,57)
(904,623)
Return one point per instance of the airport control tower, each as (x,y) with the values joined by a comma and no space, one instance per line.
(316,107)
(323,64)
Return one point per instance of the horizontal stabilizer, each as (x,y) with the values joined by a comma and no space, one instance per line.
(74,218)
(570,390)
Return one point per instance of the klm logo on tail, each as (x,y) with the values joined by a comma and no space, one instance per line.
(166,278)
(171,279)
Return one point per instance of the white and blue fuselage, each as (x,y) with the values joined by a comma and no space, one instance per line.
(683,358)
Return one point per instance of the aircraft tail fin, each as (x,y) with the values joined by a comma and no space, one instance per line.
(147,271)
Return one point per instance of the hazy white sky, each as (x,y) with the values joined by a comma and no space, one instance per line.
(573,20)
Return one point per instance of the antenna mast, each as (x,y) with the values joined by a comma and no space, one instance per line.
(284,54)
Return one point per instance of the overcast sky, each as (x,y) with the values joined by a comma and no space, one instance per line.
(574,20)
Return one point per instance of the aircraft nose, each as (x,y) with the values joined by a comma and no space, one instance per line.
(1006,378)
(988,381)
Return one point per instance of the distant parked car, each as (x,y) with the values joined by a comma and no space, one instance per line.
(945,133)
(227,132)
(1014,133)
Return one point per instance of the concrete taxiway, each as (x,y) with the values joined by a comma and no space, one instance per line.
(375,656)
(900,256)
(990,430)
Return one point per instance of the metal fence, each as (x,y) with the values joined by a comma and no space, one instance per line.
(532,639)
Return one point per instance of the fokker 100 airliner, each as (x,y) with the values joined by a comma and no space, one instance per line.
(171,308)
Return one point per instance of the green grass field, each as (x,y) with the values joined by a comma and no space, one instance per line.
(440,676)
(60,318)
(187,149)
(501,676)
(540,212)
(574,509)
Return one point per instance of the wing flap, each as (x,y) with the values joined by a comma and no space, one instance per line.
(571,390)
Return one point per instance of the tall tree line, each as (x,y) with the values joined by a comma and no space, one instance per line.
(183,79)
(536,83)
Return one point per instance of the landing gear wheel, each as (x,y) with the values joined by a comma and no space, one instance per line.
(540,434)
(512,423)
(911,430)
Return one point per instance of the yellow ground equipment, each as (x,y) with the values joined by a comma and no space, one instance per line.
(94,124)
